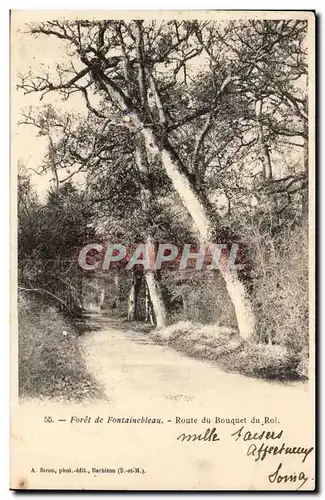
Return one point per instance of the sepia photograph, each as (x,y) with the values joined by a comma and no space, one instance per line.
(163,250)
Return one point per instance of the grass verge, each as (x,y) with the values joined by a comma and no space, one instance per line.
(50,360)
(223,345)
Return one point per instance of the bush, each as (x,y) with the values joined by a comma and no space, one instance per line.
(50,361)
(224,345)
(199,296)
(263,361)
(281,289)
(206,341)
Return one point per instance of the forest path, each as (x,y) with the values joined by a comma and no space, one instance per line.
(138,373)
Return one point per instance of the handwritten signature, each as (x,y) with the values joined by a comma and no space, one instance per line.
(276,477)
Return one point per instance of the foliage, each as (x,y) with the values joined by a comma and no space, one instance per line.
(264,361)
(221,344)
(49,240)
(282,289)
(199,297)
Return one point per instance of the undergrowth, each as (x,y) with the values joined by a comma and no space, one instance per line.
(50,360)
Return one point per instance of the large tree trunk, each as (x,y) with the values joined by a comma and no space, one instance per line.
(192,199)
(240,300)
(196,205)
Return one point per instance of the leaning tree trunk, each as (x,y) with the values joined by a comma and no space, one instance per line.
(195,203)
(192,199)
(241,302)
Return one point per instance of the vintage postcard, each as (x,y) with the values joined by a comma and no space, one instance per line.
(163,250)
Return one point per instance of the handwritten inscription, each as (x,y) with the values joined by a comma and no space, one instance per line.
(259,438)
(250,436)
(209,435)
(260,448)
(261,452)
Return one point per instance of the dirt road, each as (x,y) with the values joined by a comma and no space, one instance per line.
(130,364)
(175,394)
